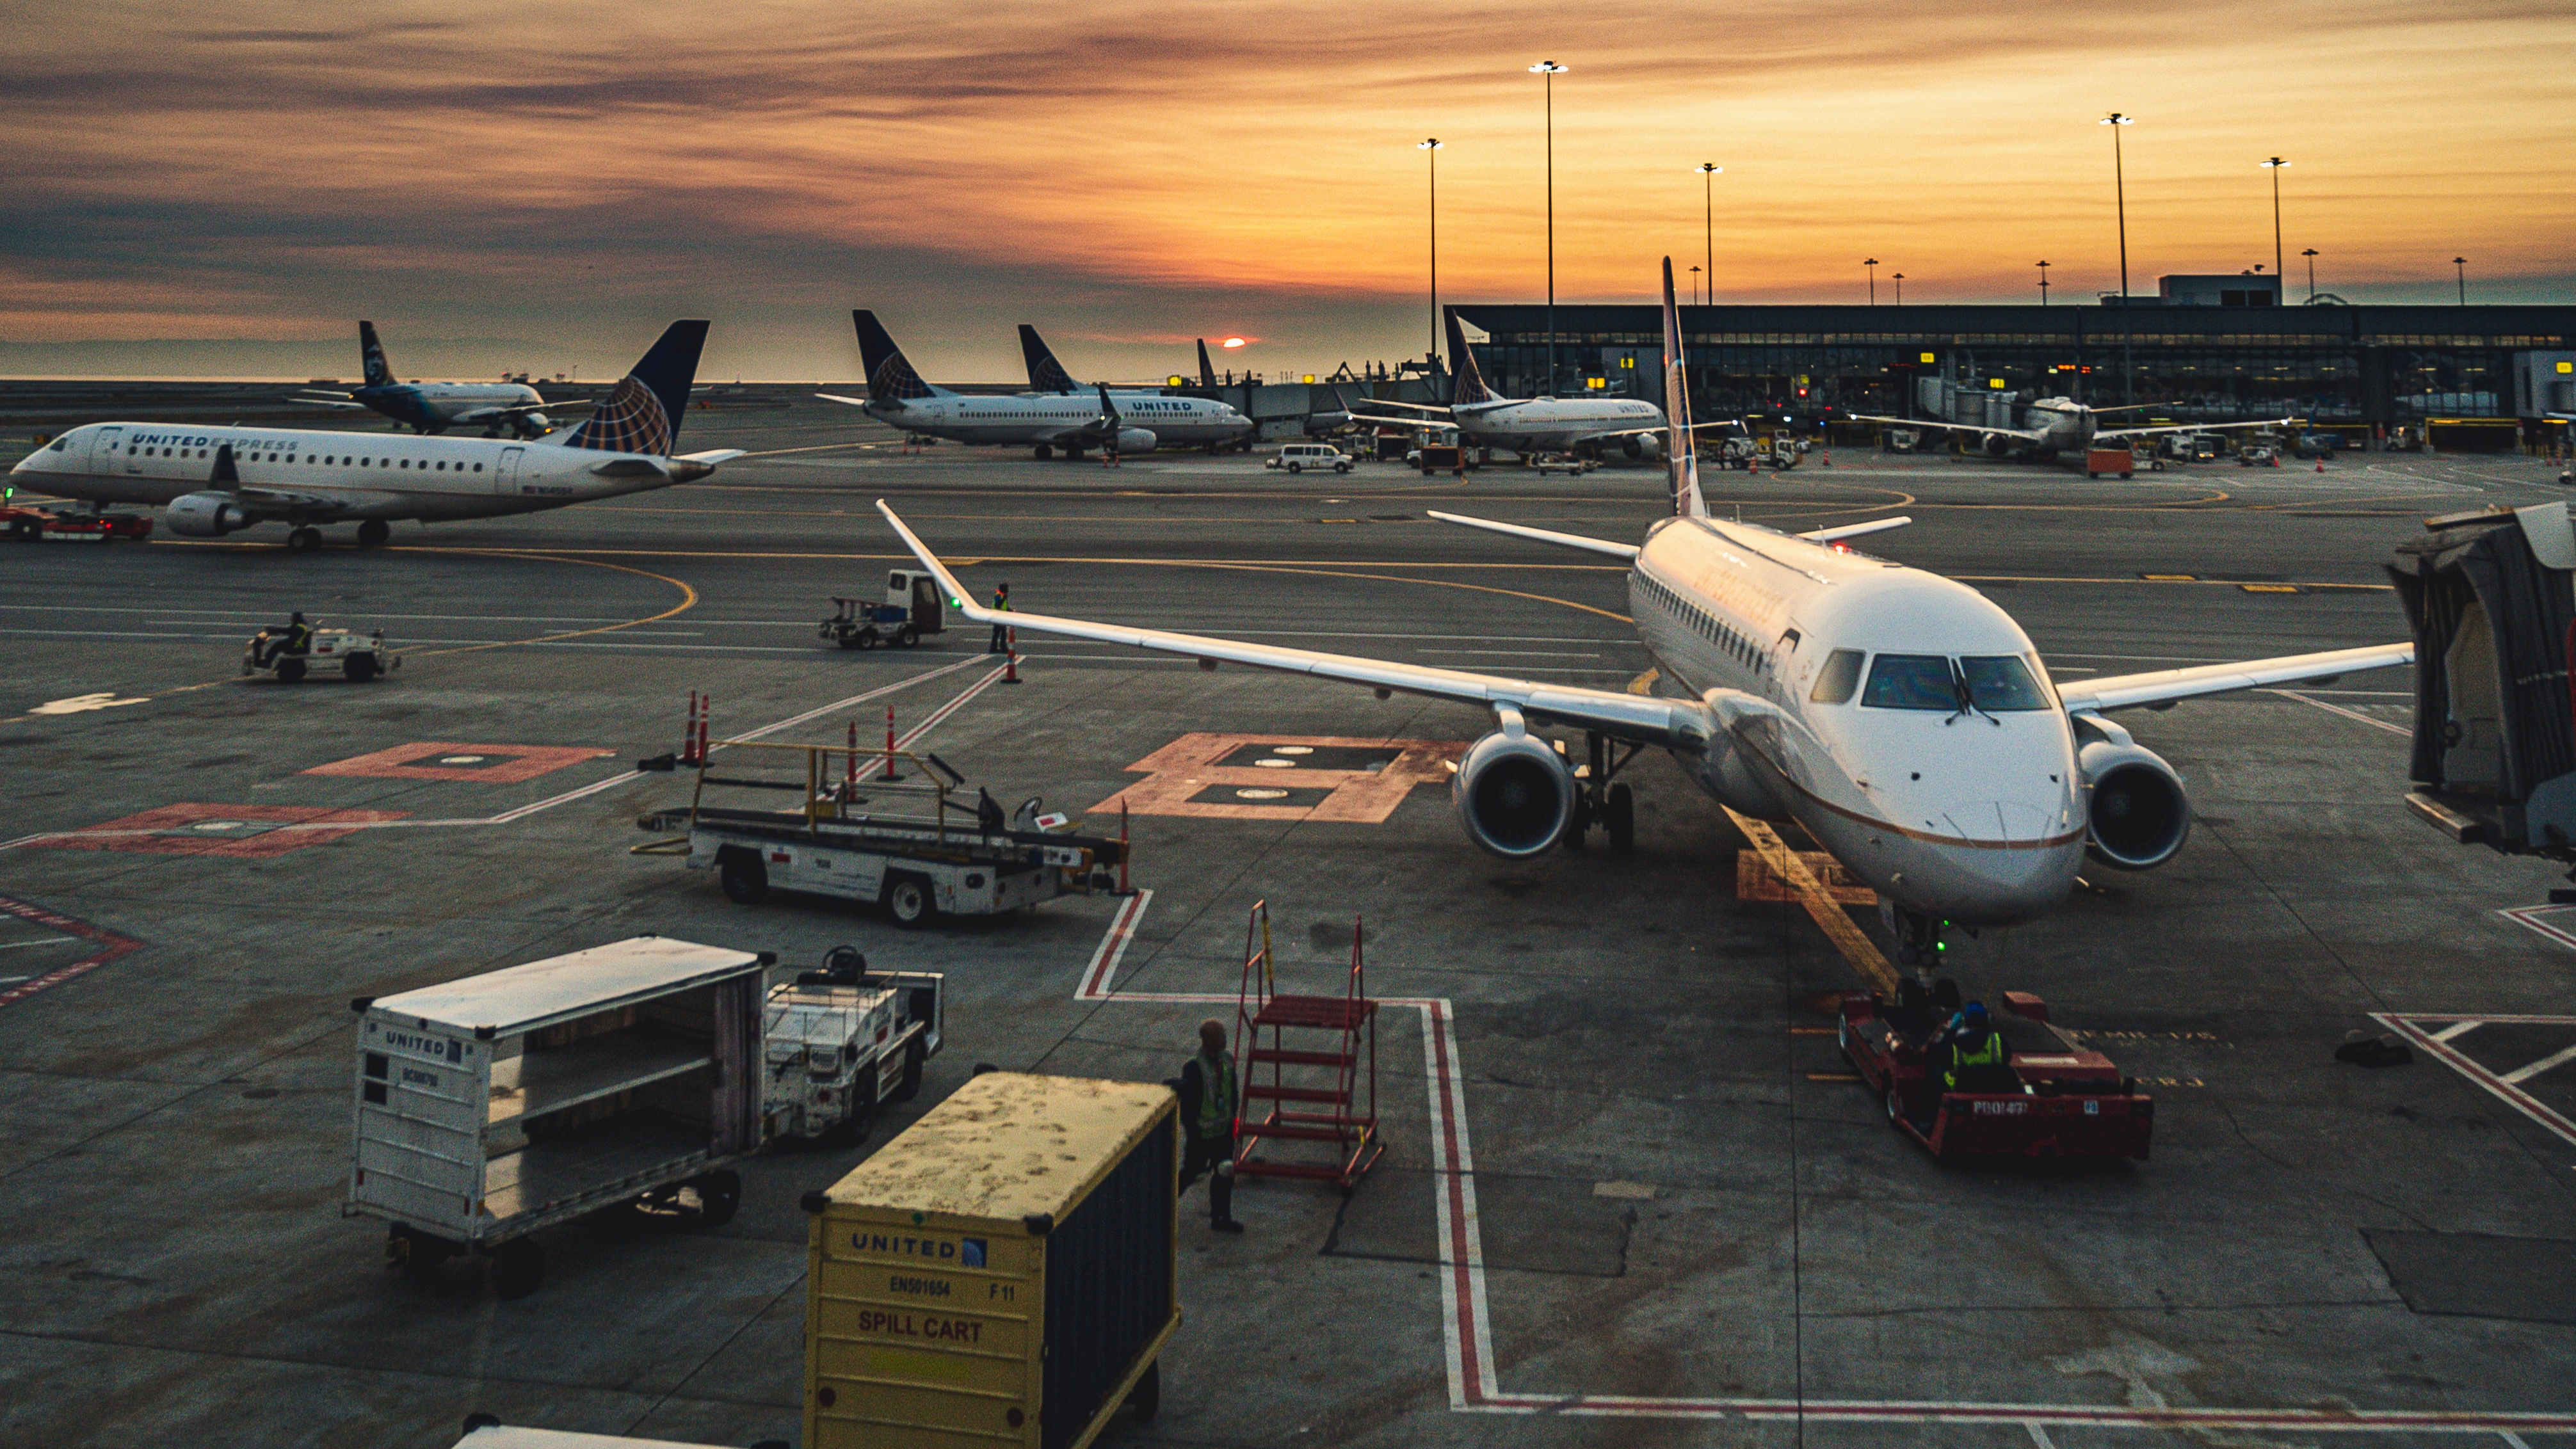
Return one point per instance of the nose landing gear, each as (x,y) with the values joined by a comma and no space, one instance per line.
(1918,939)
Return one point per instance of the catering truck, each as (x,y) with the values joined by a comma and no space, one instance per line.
(1004,1272)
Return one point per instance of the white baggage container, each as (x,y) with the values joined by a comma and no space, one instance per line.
(495,1105)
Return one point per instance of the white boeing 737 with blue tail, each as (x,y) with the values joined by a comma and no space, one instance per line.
(215,481)
(1903,719)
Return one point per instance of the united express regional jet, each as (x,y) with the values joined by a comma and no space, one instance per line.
(220,480)
(1903,719)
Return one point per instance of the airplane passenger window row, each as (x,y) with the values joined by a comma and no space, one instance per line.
(1709,627)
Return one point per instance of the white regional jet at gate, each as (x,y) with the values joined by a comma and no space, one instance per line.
(1066,422)
(219,480)
(1900,717)
(2055,425)
(1535,424)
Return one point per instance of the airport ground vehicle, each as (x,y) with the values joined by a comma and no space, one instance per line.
(1441,458)
(959,859)
(2319,445)
(2258,456)
(2098,461)
(838,1042)
(2054,1098)
(1003,1272)
(357,657)
(1311,457)
(27,524)
(622,1076)
(1563,463)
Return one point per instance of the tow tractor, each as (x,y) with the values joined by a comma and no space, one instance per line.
(841,1041)
(2051,1098)
(911,609)
(46,525)
(852,836)
(358,657)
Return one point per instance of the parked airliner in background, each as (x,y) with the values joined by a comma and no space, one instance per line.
(1903,719)
(2055,425)
(1530,425)
(220,480)
(1070,423)
(434,407)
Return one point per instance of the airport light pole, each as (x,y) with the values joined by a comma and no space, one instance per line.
(1708,221)
(1900,289)
(1694,284)
(1551,70)
(2120,193)
(1431,152)
(2311,255)
(2274,166)
(2043,283)
(1872,264)
(2463,264)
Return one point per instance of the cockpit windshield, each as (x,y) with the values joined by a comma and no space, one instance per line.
(1992,683)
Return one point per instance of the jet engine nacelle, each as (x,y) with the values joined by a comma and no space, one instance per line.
(1642,445)
(205,515)
(532,426)
(1994,445)
(2139,815)
(1137,440)
(1514,793)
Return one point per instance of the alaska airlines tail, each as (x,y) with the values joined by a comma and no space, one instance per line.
(1207,369)
(1681,446)
(1045,373)
(371,357)
(890,376)
(1468,386)
(643,414)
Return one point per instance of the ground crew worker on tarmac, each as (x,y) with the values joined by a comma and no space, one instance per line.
(1001,633)
(1208,1104)
(295,638)
(1972,1056)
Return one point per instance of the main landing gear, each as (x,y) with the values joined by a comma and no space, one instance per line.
(1600,803)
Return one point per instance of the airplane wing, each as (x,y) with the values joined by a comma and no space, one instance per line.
(856,402)
(514,410)
(2194,428)
(325,402)
(1540,535)
(1853,530)
(1644,719)
(713,456)
(2165,686)
(2024,434)
(1388,402)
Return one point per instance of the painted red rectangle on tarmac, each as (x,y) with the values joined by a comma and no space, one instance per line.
(240,832)
(443,760)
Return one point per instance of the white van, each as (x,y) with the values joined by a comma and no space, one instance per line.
(1298,457)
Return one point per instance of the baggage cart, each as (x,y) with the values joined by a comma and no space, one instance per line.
(2054,1098)
(355,657)
(911,608)
(493,1106)
(885,827)
(28,524)
(2098,461)
(840,1042)
(1004,1272)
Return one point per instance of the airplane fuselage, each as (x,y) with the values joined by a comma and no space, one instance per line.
(1050,418)
(1975,816)
(435,406)
(356,475)
(1555,425)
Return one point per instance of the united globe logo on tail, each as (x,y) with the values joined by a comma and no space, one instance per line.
(631,421)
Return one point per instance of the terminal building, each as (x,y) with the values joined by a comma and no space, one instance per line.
(2205,349)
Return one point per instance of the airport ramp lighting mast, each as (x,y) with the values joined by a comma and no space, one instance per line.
(2274,166)
(2311,255)
(1708,171)
(1431,152)
(1551,70)
(2043,282)
(1872,264)
(2120,194)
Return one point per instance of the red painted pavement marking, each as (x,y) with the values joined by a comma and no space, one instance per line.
(110,947)
(157,832)
(1113,947)
(518,763)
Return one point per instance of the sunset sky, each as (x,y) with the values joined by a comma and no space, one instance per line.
(208,188)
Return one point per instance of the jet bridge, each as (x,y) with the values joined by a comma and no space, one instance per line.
(2491,598)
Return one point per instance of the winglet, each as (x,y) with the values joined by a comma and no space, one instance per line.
(1207,369)
(957,592)
(1681,448)
(1045,373)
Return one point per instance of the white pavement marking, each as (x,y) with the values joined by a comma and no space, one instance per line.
(83,703)
(2457,1028)
(2412,1026)
(1467,1330)
(39,941)
(2532,917)
(2554,1059)
(2377,724)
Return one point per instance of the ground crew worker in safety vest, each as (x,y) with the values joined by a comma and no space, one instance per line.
(1209,1102)
(1001,634)
(1975,1053)
(295,638)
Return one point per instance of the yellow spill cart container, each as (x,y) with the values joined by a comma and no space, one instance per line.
(1004,1272)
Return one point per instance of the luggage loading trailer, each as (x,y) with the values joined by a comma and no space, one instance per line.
(1006,1271)
(961,858)
(496,1105)
(2050,1098)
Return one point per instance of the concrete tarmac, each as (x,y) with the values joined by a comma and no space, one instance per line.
(1631,1193)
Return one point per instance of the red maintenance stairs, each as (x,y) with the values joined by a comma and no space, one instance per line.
(1331,1097)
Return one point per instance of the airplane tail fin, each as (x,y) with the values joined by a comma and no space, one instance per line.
(1681,446)
(643,414)
(1045,373)
(890,374)
(371,357)
(1207,369)
(1467,384)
